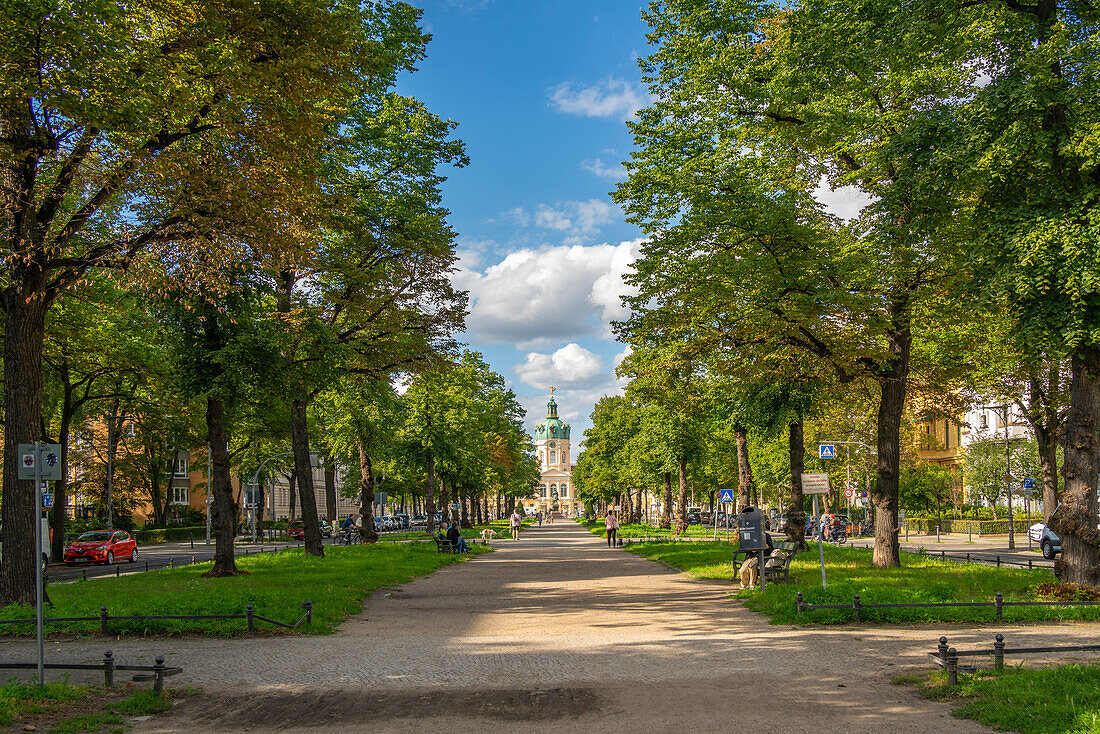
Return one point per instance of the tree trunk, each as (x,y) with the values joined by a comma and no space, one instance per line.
(892,380)
(681,505)
(24,331)
(299,440)
(1075,520)
(292,499)
(222,516)
(330,489)
(366,495)
(429,496)
(58,515)
(464,521)
(666,509)
(796,516)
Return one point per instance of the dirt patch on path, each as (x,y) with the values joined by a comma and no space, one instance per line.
(285,710)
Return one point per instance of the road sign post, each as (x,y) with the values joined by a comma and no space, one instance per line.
(826,451)
(816,484)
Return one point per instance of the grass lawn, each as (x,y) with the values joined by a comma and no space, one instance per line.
(276,586)
(921,578)
(1062,700)
(64,709)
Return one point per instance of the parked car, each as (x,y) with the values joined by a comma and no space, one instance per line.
(419,521)
(297,530)
(693,518)
(1049,543)
(45,547)
(101,546)
(402,520)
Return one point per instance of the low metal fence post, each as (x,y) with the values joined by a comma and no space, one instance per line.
(103,621)
(192,536)
(192,560)
(251,621)
(117,570)
(798,601)
(942,648)
(108,669)
(158,675)
(309,611)
(999,653)
(999,601)
(171,563)
(998,561)
(952,667)
(968,558)
(855,607)
(83,574)
(147,565)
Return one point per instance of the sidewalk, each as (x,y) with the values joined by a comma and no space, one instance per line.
(552,631)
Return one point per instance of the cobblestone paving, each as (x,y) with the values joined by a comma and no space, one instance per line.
(616,640)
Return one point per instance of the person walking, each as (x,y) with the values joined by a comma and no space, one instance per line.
(612,524)
(515,521)
(538,516)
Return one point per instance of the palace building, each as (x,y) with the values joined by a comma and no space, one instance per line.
(555,490)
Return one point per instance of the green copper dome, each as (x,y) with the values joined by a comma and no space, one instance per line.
(551,427)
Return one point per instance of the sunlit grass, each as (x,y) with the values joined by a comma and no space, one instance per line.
(1062,700)
(276,585)
(921,579)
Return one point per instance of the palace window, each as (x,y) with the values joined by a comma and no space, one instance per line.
(564,490)
(542,490)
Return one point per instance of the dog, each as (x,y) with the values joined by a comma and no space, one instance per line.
(487,534)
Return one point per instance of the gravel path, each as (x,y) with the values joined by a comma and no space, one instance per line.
(551,631)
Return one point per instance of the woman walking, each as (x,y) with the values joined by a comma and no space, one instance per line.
(515,525)
(612,524)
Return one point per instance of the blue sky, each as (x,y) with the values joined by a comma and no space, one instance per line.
(542,91)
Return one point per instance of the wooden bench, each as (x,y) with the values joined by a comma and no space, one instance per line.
(442,545)
(777,565)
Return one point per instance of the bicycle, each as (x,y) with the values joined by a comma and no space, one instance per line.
(347,537)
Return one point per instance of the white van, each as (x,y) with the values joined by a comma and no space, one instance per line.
(45,542)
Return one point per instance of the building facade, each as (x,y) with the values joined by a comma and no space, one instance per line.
(555,492)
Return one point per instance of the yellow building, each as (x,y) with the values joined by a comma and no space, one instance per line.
(555,491)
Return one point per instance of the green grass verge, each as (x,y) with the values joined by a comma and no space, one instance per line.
(61,708)
(276,586)
(1062,700)
(921,578)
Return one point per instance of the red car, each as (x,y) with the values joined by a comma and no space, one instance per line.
(101,546)
(297,530)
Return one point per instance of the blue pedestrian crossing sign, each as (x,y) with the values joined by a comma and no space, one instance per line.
(726,495)
(826,451)
(1029,483)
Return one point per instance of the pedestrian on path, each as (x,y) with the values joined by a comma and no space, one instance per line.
(515,525)
(612,524)
(538,516)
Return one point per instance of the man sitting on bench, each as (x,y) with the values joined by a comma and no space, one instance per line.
(750,569)
(456,539)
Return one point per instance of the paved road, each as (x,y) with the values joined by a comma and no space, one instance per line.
(983,550)
(554,631)
(150,557)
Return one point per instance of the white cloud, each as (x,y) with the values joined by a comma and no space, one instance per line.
(536,298)
(601,169)
(517,216)
(580,220)
(611,98)
(845,202)
(570,366)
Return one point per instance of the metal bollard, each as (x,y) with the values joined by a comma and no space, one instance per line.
(952,668)
(999,653)
(998,561)
(108,669)
(147,565)
(942,648)
(251,621)
(192,536)
(158,675)
(103,621)
(937,533)
(798,601)
(855,607)
(117,570)
(83,574)
(999,601)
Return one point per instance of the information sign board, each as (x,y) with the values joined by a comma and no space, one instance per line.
(815,484)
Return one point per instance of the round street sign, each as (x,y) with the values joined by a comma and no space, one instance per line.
(849,493)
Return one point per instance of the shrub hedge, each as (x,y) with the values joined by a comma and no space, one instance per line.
(977,527)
